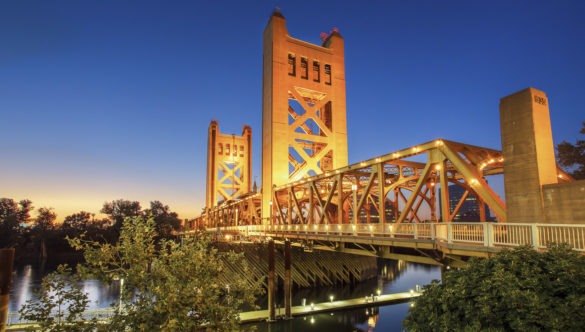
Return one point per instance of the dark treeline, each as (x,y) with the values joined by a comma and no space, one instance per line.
(42,237)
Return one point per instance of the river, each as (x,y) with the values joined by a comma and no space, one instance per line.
(393,277)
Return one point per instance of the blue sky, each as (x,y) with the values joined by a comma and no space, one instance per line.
(101,100)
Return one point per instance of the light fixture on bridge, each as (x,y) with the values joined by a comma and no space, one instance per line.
(331,298)
(354,187)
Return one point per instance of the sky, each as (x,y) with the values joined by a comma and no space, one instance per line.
(104,100)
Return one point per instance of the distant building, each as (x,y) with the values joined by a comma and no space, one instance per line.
(469,210)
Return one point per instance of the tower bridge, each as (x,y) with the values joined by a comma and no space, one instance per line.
(385,206)
(308,186)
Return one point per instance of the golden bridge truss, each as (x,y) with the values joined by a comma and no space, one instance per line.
(397,187)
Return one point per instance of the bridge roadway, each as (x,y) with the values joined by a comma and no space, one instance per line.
(315,308)
(428,243)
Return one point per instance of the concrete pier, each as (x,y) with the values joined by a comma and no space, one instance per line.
(309,309)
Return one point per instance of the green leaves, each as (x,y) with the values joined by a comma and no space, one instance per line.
(573,156)
(517,290)
(168,286)
(59,303)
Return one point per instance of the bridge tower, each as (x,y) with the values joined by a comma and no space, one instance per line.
(303,107)
(529,157)
(229,164)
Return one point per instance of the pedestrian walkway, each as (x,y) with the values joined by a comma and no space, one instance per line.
(309,309)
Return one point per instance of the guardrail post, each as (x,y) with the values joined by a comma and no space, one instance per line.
(535,240)
(449,233)
(415,231)
(433,231)
(490,234)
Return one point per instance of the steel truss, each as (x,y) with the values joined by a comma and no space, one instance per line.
(395,187)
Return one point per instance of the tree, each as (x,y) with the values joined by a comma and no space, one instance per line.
(516,290)
(59,303)
(573,156)
(165,220)
(44,224)
(168,286)
(12,216)
(121,209)
(77,221)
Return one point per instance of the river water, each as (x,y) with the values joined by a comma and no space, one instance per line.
(393,277)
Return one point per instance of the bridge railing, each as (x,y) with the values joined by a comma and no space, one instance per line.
(481,234)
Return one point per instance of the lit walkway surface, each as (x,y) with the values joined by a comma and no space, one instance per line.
(384,299)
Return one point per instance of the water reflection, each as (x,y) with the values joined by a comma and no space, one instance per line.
(27,278)
(393,277)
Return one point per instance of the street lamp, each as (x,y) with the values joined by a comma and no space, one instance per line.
(121,292)
(354,188)
(270,203)
(331,298)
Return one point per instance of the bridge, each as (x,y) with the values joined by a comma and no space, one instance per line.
(408,204)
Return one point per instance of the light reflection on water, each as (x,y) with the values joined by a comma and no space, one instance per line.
(394,277)
(27,278)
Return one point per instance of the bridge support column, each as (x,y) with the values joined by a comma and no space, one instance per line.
(287,280)
(271,283)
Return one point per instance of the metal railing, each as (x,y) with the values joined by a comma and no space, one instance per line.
(483,234)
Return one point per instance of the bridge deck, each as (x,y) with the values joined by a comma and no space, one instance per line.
(384,299)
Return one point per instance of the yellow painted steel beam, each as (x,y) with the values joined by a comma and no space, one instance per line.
(477,182)
(415,191)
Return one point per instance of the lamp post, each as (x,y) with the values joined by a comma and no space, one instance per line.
(354,188)
(236,217)
(271,221)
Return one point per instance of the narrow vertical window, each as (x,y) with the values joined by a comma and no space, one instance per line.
(227,149)
(328,74)
(235,150)
(241,150)
(220,148)
(316,71)
(292,65)
(304,68)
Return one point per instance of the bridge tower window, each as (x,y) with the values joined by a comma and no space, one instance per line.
(292,65)
(227,149)
(220,148)
(328,74)
(316,71)
(304,68)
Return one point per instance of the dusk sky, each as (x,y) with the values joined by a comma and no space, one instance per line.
(101,100)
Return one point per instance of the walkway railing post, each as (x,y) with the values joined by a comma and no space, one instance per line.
(490,234)
(415,231)
(433,231)
(535,239)
(449,233)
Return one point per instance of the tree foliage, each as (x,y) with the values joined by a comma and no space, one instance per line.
(573,156)
(516,290)
(168,286)
(165,220)
(121,209)
(12,216)
(59,303)
(44,224)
